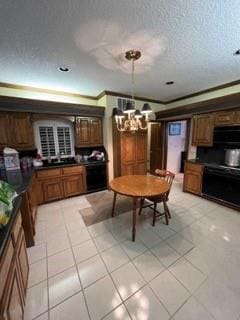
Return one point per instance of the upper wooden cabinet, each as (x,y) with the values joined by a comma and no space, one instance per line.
(202,134)
(225,118)
(16,131)
(238,116)
(4,130)
(22,131)
(88,132)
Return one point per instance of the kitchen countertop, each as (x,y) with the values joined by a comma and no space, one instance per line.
(20,181)
(82,163)
(196,161)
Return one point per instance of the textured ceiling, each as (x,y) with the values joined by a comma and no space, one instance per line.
(188,41)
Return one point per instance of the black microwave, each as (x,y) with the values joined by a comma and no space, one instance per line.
(228,135)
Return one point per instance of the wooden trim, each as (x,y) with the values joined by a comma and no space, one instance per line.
(223,86)
(48,91)
(122,95)
(41,106)
(220,103)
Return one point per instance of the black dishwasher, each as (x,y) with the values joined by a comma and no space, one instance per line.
(96,176)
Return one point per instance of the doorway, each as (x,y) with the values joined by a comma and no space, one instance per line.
(177,141)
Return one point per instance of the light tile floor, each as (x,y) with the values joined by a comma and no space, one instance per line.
(188,270)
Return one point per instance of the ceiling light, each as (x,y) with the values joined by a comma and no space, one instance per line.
(237,53)
(63,68)
(132,121)
(168,83)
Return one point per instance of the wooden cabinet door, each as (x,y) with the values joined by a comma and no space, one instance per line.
(193,178)
(96,131)
(203,130)
(237,116)
(141,146)
(22,131)
(52,189)
(128,169)
(83,132)
(5,131)
(23,261)
(193,182)
(224,117)
(141,168)
(73,185)
(128,148)
(13,305)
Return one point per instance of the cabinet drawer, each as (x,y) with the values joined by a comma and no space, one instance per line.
(17,228)
(193,167)
(73,170)
(224,117)
(5,266)
(52,173)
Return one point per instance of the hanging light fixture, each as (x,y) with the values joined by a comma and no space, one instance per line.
(131,119)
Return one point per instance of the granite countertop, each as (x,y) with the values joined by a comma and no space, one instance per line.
(20,181)
(63,165)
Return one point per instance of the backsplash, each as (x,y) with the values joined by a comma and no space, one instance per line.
(215,154)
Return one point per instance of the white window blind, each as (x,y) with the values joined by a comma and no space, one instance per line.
(54,137)
(64,140)
(47,141)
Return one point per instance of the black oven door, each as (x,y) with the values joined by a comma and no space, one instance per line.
(222,185)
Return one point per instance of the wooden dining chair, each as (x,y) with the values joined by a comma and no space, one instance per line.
(163,198)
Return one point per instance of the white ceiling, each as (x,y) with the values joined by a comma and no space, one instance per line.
(188,41)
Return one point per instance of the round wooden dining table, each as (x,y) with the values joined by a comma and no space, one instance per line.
(137,186)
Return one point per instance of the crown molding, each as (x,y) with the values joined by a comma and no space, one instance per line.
(49,91)
(117,94)
(195,94)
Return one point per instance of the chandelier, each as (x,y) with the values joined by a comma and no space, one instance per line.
(132,119)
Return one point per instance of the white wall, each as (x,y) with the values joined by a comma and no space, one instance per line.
(176,144)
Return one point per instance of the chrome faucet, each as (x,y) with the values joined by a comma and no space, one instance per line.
(59,157)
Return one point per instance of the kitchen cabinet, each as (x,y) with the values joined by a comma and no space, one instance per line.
(73,185)
(14,270)
(238,116)
(224,118)
(22,131)
(88,132)
(129,152)
(52,189)
(193,178)
(202,132)
(16,130)
(61,183)
(4,130)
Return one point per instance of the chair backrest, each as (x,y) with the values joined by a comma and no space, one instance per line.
(167,176)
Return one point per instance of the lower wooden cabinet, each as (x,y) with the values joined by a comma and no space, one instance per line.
(14,270)
(55,184)
(52,189)
(193,178)
(73,185)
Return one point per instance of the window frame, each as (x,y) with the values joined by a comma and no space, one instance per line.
(55,124)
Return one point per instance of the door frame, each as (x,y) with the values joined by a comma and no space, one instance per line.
(187,141)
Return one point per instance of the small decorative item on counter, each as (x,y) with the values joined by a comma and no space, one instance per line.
(11,159)
(78,158)
(37,162)
(97,155)
(7,195)
(49,159)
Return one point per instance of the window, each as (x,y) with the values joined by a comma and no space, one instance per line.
(54,137)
